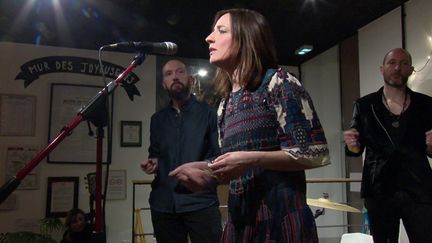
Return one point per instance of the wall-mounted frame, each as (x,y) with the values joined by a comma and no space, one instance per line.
(62,196)
(78,148)
(17,115)
(131,132)
(17,156)
(11,203)
(116,184)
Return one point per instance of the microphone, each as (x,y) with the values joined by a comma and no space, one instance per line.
(165,48)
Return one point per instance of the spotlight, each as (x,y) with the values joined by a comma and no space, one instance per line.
(202,72)
(304,49)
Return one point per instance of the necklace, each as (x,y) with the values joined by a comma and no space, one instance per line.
(395,123)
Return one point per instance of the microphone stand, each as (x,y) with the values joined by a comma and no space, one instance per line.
(93,113)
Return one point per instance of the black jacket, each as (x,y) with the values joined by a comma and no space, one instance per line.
(175,139)
(394,163)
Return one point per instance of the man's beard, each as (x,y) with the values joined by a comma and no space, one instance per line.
(179,93)
(396,84)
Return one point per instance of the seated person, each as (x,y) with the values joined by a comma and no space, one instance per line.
(78,229)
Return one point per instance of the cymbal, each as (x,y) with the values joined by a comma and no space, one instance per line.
(325,203)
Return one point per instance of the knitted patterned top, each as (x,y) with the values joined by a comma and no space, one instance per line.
(278,115)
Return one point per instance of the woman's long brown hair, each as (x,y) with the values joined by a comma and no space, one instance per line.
(252,47)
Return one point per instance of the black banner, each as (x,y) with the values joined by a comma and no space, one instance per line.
(31,70)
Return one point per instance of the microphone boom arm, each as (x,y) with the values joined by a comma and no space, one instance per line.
(83,114)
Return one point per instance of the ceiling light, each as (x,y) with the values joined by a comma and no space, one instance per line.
(202,72)
(304,49)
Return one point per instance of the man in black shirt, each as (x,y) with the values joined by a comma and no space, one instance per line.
(182,132)
(394,125)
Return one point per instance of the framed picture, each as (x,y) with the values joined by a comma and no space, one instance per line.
(17,157)
(11,203)
(62,196)
(131,133)
(116,184)
(17,115)
(81,146)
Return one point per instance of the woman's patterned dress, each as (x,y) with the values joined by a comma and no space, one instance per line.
(263,205)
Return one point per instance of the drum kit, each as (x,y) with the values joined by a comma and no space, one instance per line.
(326,203)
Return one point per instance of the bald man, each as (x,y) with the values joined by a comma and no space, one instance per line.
(394,126)
(184,131)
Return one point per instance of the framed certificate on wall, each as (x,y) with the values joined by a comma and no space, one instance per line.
(131,133)
(67,100)
(17,115)
(62,196)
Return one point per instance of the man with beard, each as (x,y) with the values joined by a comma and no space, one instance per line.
(182,132)
(394,126)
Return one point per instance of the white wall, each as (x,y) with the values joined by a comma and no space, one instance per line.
(320,77)
(375,40)
(419,43)
(32,203)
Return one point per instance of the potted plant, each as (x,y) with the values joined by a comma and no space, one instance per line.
(47,227)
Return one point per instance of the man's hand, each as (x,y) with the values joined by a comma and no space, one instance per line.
(150,166)
(351,140)
(195,176)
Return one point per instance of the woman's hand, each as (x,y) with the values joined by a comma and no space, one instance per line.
(232,165)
